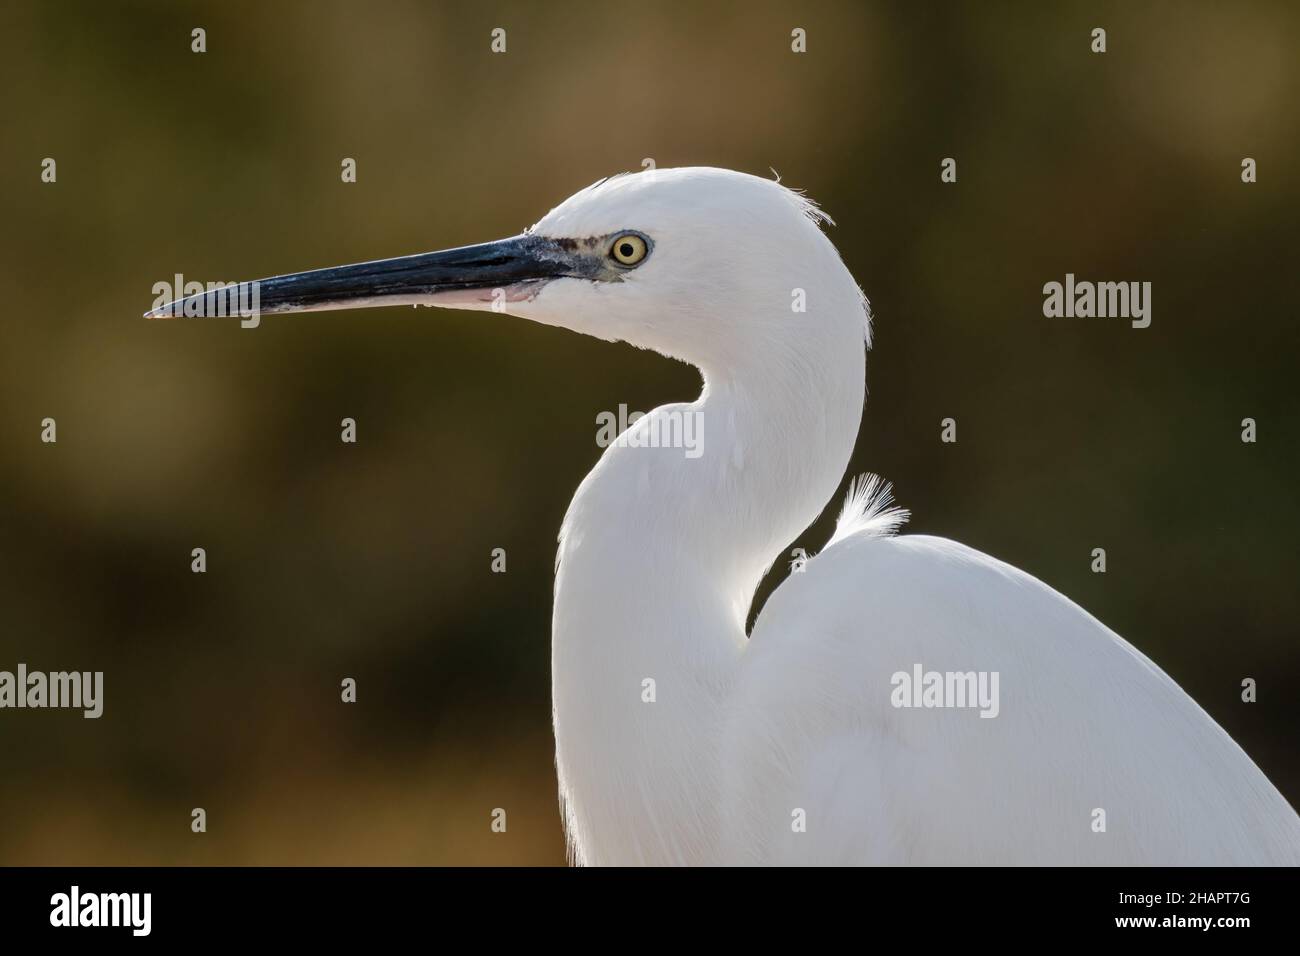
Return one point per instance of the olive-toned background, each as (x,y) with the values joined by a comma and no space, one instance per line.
(372,560)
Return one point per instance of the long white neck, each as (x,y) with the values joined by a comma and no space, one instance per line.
(659,559)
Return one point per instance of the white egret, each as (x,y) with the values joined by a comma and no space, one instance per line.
(681,741)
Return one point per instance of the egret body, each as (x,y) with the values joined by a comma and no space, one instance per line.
(790,745)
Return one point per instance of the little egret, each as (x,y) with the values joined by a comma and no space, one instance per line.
(822,738)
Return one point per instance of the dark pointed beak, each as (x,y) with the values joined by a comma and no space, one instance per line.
(470,276)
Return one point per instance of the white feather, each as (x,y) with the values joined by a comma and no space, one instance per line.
(869,509)
(660,556)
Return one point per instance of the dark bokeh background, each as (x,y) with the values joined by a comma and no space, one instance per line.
(372,561)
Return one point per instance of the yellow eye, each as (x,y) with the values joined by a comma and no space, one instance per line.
(628,249)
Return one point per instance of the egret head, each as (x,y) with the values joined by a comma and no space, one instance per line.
(710,266)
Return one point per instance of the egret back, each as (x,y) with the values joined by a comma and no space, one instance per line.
(1094,755)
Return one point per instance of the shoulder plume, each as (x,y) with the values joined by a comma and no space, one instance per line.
(869,509)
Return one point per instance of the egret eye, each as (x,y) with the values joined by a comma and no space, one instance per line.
(628,249)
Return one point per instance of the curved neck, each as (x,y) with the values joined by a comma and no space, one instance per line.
(660,555)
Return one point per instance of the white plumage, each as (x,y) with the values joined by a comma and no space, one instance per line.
(678,739)
(660,557)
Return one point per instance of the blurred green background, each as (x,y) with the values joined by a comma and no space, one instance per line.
(372,560)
